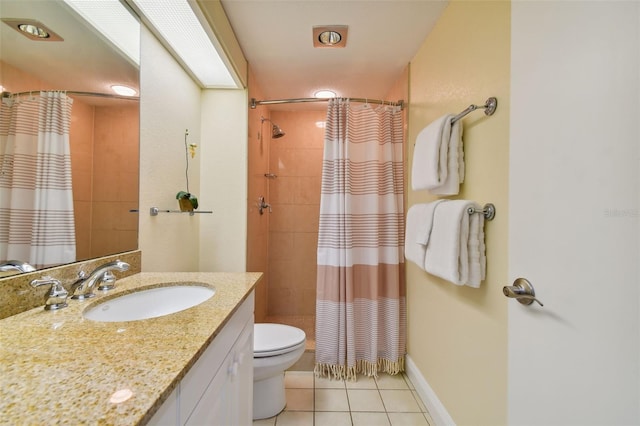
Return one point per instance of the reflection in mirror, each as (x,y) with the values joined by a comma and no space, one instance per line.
(103,136)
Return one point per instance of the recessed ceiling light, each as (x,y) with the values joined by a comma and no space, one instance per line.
(123,90)
(322,94)
(330,36)
(32,29)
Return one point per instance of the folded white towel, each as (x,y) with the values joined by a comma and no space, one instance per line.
(455,251)
(429,166)
(455,163)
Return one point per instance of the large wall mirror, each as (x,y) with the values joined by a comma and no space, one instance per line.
(103,132)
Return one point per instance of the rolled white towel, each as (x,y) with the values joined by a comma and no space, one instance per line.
(429,166)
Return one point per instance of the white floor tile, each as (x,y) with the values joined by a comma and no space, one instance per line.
(408,419)
(333,418)
(295,418)
(298,379)
(370,419)
(362,382)
(331,400)
(365,400)
(399,401)
(299,399)
(387,381)
(326,383)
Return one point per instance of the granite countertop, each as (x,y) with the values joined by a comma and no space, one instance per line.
(58,367)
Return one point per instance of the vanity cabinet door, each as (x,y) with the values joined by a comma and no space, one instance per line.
(228,400)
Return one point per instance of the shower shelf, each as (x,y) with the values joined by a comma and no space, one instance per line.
(154,211)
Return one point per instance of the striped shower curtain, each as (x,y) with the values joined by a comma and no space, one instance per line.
(361,306)
(36,201)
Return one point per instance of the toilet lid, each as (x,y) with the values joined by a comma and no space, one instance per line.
(274,339)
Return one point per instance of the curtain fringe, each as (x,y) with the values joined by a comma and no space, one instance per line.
(367,368)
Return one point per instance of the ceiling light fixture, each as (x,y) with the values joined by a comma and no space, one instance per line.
(32,29)
(330,36)
(114,21)
(324,94)
(124,90)
(177,25)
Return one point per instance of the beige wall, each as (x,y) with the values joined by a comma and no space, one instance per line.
(170,104)
(458,335)
(223,180)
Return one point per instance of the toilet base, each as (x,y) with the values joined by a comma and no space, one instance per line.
(268,397)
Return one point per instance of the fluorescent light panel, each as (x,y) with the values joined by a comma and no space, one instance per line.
(178,25)
(114,21)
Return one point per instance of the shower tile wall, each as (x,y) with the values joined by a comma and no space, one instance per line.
(296,159)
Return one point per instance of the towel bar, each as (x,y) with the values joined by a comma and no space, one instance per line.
(488,211)
(489,108)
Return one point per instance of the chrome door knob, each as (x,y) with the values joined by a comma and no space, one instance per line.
(521,290)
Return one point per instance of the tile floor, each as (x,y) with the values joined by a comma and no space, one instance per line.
(387,400)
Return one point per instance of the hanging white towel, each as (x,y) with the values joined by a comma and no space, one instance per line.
(453,253)
(418,231)
(476,251)
(455,163)
(429,166)
(413,250)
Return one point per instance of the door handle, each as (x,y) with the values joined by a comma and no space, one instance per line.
(521,290)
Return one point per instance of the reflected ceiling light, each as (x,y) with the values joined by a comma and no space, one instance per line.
(323,94)
(176,23)
(330,36)
(32,29)
(124,90)
(114,21)
(121,395)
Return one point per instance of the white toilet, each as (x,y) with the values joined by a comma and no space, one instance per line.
(276,347)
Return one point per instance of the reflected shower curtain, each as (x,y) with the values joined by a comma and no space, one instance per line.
(36,200)
(361,306)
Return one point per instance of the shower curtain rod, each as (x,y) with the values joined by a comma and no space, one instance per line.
(76,93)
(255,103)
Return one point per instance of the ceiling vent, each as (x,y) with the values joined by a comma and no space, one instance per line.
(330,36)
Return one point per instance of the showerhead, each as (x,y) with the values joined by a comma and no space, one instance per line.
(276,131)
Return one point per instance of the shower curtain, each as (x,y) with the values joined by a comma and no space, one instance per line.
(36,201)
(361,306)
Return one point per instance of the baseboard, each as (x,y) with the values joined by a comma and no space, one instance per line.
(436,410)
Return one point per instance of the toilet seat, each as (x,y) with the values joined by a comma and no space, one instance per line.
(275,339)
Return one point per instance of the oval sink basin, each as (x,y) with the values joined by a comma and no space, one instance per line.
(149,303)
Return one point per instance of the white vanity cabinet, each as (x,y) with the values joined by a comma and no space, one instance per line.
(218,389)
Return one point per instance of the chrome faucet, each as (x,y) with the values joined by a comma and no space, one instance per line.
(56,297)
(16,265)
(83,287)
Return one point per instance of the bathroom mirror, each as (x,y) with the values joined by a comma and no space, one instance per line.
(104,130)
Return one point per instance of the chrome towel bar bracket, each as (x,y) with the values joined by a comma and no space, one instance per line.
(488,211)
(489,107)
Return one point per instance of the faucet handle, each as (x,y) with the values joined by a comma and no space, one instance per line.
(56,298)
(107,281)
